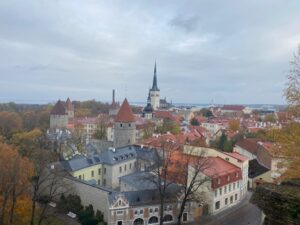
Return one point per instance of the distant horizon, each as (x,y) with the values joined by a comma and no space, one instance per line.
(45,102)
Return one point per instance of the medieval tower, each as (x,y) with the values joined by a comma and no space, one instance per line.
(124,127)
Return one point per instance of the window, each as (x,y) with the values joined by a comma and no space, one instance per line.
(98,182)
(170,207)
(104,170)
(184,217)
(83,176)
(156,210)
(130,166)
(225,189)
(79,177)
(220,191)
(228,178)
(229,187)
(119,223)
(92,173)
(236,197)
(138,221)
(151,210)
(233,186)
(217,205)
(165,208)
(125,167)
(226,201)
(216,193)
(120,212)
(121,125)
(135,212)
(120,169)
(236,174)
(141,211)
(153,219)
(129,124)
(104,182)
(231,199)
(238,184)
(99,171)
(219,181)
(168,218)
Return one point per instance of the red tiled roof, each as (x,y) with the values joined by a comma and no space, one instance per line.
(125,114)
(233,107)
(58,109)
(249,144)
(164,115)
(219,170)
(237,156)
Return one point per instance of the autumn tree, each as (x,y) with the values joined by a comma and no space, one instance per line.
(169,126)
(14,186)
(292,90)
(10,122)
(190,169)
(233,125)
(46,184)
(28,141)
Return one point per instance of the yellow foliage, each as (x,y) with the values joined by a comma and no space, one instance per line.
(233,125)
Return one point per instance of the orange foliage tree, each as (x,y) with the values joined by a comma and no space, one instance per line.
(233,125)
(15,175)
(10,122)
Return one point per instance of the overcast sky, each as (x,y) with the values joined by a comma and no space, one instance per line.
(206,51)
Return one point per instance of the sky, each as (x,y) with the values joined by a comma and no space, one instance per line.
(207,51)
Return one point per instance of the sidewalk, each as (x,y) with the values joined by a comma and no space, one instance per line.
(206,220)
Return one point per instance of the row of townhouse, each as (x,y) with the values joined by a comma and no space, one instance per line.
(265,163)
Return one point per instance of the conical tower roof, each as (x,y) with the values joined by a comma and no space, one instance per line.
(58,109)
(125,114)
(69,105)
(154,85)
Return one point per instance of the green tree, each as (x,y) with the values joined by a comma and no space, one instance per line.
(194,122)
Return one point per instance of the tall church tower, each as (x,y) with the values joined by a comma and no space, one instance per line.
(155,92)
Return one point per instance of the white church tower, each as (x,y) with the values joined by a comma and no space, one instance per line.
(154,92)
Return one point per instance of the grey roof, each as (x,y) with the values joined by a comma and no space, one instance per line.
(140,181)
(144,197)
(79,162)
(118,155)
(256,169)
(109,156)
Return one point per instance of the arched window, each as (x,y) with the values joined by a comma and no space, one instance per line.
(138,221)
(168,218)
(153,219)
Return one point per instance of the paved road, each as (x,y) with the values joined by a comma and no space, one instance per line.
(242,214)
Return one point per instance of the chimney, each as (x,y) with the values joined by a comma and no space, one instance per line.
(113,96)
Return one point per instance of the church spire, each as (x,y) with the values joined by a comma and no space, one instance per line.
(154,85)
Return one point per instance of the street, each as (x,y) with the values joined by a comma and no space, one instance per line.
(242,214)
